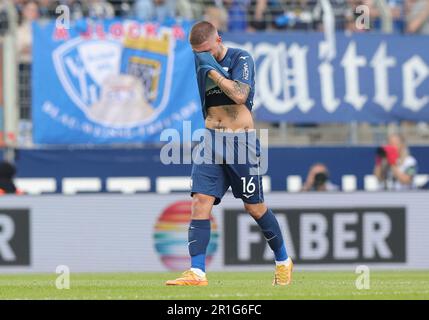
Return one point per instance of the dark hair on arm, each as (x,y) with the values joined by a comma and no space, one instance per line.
(201,32)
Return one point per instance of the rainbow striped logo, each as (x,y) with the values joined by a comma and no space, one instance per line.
(171,236)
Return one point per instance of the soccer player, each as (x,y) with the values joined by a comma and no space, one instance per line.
(226,84)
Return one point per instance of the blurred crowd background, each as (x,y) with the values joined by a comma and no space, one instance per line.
(409,16)
(405,17)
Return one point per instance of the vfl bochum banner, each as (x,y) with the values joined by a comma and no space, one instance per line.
(112,82)
(359,77)
(125,81)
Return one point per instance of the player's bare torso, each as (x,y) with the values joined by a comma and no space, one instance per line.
(229,117)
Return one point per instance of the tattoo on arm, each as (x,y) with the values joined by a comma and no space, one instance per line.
(219,84)
(239,90)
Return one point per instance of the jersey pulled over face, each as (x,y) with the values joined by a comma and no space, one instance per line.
(240,66)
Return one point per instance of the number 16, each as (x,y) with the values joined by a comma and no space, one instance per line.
(250,187)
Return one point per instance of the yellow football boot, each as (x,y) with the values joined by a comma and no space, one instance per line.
(283,274)
(189,278)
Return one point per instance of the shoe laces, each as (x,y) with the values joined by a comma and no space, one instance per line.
(189,273)
(281,274)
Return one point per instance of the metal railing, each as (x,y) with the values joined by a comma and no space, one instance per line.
(9,77)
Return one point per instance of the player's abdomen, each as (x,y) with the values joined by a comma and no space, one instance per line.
(232,117)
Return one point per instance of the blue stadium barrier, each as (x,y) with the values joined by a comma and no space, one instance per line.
(103,164)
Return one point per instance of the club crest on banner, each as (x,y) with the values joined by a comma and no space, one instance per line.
(117,84)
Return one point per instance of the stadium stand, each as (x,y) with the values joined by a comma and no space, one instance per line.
(231,16)
(99,106)
(251,16)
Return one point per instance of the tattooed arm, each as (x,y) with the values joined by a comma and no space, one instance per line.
(236,90)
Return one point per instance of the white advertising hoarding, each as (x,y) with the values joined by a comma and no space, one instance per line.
(148,232)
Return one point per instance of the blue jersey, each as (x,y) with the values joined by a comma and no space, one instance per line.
(240,66)
(208,176)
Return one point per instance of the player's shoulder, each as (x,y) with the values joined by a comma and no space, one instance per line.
(240,54)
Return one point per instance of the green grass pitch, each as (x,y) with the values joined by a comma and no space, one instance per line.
(222,286)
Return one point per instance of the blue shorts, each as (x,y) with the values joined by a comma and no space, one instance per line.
(225,159)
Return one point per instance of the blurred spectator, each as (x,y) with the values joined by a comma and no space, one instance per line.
(30,13)
(299,15)
(47,8)
(78,9)
(417,16)
(237,14)
(342,12)
(353,14)
(199,6)
(155,9)
(318,179)
(7,172)
(262,14)
(160,10)
(218,17)
(184,9)
(19,5)
(242,15)
(396,8)
(122,7)
(233,15)
(394,167)
(100,9)
(4,24)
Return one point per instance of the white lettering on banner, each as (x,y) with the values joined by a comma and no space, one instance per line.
(313,236)
(279,86)
(327,87)
(381,62)
(415,71)
(269,79)
(287,236)
(296,78)
(377,226)
(351,63)
(246,236)
(7,231)
(327,52)
(282,78)
(342,236)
